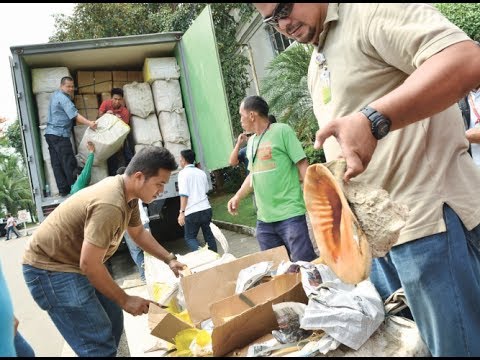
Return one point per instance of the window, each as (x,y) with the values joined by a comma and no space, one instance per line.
(279,41)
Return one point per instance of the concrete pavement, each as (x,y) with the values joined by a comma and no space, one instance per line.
(37,327)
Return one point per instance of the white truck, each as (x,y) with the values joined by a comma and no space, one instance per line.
(202,88)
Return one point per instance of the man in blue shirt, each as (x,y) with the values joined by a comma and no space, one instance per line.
(61,115)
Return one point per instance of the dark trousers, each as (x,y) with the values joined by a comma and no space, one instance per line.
(64,164)
(193,223)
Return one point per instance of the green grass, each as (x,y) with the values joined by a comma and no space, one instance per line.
(246,212)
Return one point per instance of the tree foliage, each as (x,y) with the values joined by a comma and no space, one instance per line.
(14,139)
(97,20)
(285,89)
(465,15)
(14,186)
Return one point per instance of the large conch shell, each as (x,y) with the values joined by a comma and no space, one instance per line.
(351,222)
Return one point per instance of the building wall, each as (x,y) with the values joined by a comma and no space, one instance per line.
(257,47)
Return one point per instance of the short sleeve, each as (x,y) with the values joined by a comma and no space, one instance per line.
(405,34)
(69,107)
(103,107)
(293,146)
(135,218)
(182,184)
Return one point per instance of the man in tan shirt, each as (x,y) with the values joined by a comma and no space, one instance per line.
(63,264)
(380,67)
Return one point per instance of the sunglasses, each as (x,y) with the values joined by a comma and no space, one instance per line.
(281,11)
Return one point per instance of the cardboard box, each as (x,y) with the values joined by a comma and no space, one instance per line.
(119,79)
(135,76)
(239,323)
(86,101)
(90,114)
(105,96)
(206,287)
(103,81)
(85,82)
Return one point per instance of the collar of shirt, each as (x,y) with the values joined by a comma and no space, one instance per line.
(332,15)
(189,165)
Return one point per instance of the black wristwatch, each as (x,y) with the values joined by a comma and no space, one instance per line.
(380,123)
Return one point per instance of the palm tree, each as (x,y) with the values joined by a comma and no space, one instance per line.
(14,185)
(285,89)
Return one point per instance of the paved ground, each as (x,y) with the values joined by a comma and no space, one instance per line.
(37,327)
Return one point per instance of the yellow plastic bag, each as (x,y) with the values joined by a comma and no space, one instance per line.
(193,342)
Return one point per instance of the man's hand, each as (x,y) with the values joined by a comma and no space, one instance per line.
(181,219)
(233,204)
(176,266)
(135,305)
(93,125)
(354,134)
(90,146)
(242,138)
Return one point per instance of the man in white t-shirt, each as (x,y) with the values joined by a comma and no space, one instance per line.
(195,209)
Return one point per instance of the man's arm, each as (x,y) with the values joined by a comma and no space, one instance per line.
(434,86)
(244,190)
(302,166)
(234,154)
(147,242)
(83,120)
(91,264)
(183,206)
(473,135)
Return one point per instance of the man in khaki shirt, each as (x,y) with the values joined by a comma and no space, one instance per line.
(63,264)
(380,67)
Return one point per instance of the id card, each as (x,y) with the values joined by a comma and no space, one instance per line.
(325,85)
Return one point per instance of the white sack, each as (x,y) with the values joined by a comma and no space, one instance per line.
(167,95)
(50,178)
(174,126)
(145,131)
(138,98)
(48,79)
(141,146)
(175,149)
(43,102)
(108,138)
(99,172)
(160,69)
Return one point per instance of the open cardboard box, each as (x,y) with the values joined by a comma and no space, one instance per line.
(236,322)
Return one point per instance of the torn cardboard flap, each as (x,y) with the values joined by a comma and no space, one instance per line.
(163,324)
(209,286)
(273,291)
(242,324)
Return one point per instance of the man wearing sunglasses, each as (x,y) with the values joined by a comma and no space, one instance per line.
(377,68)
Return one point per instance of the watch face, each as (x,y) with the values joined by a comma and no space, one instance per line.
(383,128)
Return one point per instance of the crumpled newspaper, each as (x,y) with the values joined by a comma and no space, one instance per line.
(250,276)
(348,313)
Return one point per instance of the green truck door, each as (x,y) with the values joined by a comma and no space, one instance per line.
(204,94)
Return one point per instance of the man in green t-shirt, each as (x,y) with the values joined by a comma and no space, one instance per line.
(277,165)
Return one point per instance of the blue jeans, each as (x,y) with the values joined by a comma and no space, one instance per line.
(441,278)
(9,230)
(22,347)
(136,253)
(91,323)
(193,223)
(291,233)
